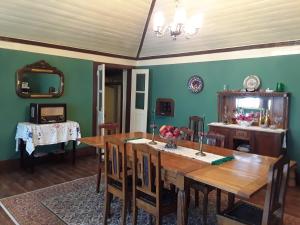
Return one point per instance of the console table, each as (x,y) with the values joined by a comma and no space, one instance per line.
(29,136)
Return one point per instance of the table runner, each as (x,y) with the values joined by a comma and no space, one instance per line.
(187,152)
(46,134)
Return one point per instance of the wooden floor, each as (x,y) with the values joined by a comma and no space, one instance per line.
(48,174)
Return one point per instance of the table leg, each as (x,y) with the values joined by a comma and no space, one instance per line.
(22,147)
(99,175)
(182,209)
(62,145)
(32,161)
(74,153)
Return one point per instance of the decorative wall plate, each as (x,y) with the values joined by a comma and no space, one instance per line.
(251,83)
(195,84)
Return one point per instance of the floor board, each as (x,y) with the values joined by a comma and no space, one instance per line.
(52,173)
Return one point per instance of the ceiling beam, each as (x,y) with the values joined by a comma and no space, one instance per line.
(221,50)
(62,47)
(146,28)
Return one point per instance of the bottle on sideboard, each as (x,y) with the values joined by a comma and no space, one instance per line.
(261,117)
(267,121)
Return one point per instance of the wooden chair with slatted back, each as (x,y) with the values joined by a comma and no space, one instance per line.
(213,139)
(186,133)
(148,191)
(117,181)
(196,123)
(272,214)
(108,129)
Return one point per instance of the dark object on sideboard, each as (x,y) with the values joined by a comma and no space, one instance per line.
(48,113)
(165,107)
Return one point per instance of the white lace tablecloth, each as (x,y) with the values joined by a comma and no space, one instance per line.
(187,152)
(46,134)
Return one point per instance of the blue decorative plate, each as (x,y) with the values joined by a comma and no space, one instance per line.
(195,84)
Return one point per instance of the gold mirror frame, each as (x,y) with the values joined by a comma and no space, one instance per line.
(39,67)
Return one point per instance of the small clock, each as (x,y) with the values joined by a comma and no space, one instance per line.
(195,84)
(251,83)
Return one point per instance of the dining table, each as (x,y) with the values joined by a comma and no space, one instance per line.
(243,176)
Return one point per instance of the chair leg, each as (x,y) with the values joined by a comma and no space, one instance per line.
(218,201)
(124,211)
(108,197)
(99,175)
(158,220)
(134,215)
(150,221)
(231,199)
(129,206)
(188,196)
(196,198)
(205,205)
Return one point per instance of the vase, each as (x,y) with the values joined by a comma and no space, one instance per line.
(171,143)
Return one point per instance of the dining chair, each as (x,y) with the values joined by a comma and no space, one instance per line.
(213,139)
(108,129)
(148,192)
(186,133)
(272,213)
(196,123)
(117,181)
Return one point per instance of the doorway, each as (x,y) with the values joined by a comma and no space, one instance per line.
(113,96)
(120,95)
(110,95)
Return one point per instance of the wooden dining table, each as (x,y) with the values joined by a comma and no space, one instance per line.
(243,176)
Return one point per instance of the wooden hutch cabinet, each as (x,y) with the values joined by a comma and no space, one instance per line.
(259,140)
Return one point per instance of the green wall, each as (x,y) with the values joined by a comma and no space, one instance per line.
(13,109)
(170,81)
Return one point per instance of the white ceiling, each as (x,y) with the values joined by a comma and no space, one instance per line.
(111,26)
(116,26)
(229,23)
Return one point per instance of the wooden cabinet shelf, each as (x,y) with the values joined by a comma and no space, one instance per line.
(260,141)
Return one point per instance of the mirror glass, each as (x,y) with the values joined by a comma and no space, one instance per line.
(41,83)
(252,104)
(39,80)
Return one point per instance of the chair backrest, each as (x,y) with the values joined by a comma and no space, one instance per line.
(214,139)
(276,190)
(146,172)
(115,162)
(196,123)
(186,133)
(109,128)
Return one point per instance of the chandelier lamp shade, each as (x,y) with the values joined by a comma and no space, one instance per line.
(180,25)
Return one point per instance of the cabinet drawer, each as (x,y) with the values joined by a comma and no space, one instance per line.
(242,134)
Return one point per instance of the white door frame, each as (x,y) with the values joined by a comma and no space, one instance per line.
(124,100)
(138,117)
(100,91)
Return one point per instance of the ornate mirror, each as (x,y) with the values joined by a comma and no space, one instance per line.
(39,80)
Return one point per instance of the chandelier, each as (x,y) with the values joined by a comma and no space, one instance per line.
(180,24)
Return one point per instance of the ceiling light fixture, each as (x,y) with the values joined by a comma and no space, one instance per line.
(180,24)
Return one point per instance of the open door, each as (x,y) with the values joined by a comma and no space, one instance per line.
(100,96)
(139,100)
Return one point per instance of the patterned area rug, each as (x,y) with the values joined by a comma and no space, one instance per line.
(77,203)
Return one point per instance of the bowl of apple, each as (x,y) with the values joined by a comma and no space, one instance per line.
(245,120)
(171,134)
